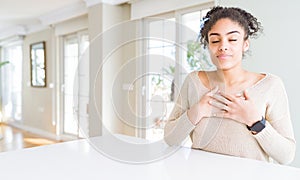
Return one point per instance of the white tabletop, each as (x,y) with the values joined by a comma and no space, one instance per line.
(80,160)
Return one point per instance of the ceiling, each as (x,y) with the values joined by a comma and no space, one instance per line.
(22,16)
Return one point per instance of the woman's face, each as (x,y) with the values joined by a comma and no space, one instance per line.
(226,44)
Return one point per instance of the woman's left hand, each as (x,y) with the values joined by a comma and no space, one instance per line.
(238,107)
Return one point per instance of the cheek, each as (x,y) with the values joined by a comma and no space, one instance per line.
(212,49)
(212,56)
(211,52)
(239,49)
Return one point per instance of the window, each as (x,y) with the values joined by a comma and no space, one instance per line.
(195,57)
(11,82)
(173,51)
(160,79)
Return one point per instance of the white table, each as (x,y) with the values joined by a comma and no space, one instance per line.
(79,160)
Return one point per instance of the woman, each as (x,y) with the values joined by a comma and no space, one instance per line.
(231,110)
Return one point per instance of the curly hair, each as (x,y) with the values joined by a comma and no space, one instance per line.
(248,22)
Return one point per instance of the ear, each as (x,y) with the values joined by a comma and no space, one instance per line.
(246,45)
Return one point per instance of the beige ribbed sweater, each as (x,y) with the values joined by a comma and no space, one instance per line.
(226,136)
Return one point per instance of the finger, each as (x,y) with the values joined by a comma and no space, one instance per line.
(221,98)
(219,105)
(227,96)
(221,114)
(240,95)
(246,94)
(213,91)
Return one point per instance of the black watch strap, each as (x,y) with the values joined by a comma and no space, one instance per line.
(258,126)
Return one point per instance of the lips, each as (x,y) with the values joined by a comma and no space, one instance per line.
(223,56)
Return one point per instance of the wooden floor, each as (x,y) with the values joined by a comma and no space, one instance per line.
(13,139)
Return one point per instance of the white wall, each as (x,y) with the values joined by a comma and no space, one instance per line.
(95,104)
(37,103)
(112,16)
(104,39)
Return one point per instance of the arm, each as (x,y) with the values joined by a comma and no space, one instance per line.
(179,127)
(277,139)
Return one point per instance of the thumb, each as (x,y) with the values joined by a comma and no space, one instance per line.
(246,94)
(213,91)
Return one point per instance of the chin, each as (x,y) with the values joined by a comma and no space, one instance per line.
(224,68)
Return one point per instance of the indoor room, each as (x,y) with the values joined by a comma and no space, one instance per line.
(94,84)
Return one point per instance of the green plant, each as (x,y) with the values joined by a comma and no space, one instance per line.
(3,63)
(197,57)
(161,83)
(170,70)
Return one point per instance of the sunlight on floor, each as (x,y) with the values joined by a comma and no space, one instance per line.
(14,139)
(38,141)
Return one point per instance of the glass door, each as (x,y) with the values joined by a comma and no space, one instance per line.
(11,83)
(76,84)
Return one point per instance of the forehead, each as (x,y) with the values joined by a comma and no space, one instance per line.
(226,25)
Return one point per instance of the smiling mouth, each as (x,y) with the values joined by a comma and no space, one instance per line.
(223,56)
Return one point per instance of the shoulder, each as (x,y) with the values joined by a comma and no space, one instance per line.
(198,77)
(273,79)
(191,77)
(273,82)
(193,74)
(191,81)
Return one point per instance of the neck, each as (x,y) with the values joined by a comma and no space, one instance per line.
(232,76)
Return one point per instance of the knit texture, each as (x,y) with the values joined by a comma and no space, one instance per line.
(226,136)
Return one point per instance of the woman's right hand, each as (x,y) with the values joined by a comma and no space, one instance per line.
(202,108)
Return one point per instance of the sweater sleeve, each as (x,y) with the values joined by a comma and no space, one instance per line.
(178,126)
(277,139)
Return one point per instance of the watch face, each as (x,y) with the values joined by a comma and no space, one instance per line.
(258,126)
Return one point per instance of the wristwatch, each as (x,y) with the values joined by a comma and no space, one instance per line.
(258,126)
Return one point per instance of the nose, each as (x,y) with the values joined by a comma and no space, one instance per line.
(223,49)
(223,46)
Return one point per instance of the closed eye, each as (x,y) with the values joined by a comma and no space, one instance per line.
(215,42)
(233,40)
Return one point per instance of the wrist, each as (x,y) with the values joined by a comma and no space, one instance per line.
(257,126)
(192,116)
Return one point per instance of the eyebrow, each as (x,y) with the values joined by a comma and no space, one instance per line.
(217,34)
